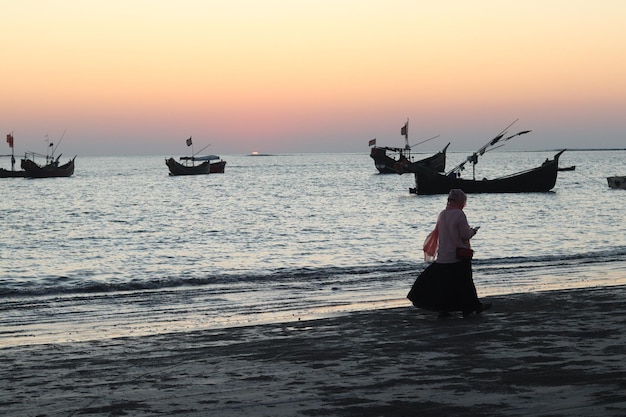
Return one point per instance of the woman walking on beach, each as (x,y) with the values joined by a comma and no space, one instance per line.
(446,284)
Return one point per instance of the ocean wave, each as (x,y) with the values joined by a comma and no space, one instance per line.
(311,277)
(617,254)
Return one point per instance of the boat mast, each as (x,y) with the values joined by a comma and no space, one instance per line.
(58,143)
(189,143)
(195,153)
(49,154)
(489,146)
(405,131)
(10,142)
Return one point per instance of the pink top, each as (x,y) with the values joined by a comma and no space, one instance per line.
(454,232)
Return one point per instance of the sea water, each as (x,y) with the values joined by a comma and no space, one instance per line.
(122,249)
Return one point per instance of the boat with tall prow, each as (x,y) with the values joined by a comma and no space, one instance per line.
(189,167)
(400,160)
(539,179)
(31,169)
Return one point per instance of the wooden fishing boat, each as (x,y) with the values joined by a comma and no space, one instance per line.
(401,161)
(177,168)
(539,179)
(49,170)
(618,182)
(392,160)
(31,169)
(12,173)
(189,166)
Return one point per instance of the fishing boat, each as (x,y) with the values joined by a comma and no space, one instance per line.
(618,182)
(401,161)
(539,179)
(209,164)
(189,166)
(50,169)
(12,173)
(436,162)
(392,160)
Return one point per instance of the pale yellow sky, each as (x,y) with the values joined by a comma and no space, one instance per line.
(290,76)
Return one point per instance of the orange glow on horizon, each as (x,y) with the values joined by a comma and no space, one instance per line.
(278,69)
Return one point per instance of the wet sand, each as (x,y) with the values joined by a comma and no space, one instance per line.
(560,353)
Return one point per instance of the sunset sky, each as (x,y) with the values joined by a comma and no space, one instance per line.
(139,77)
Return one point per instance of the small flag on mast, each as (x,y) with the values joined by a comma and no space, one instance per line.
(189,141)
(10,140)
(405,130)
(373,142)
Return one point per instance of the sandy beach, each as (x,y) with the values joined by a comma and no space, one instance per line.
(557,353)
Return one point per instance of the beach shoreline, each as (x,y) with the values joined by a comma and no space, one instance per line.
(554,353)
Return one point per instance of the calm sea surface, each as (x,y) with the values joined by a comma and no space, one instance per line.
(121,248)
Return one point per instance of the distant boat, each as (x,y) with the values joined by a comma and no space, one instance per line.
(618,182)
(570,168)
(189,167)
(12,173)
(49,170)
(399,160)
(401,163)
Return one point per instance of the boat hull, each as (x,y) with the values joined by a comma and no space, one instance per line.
(540,179)
(617,182)
(217,167)
(207,167)
(33,170)
(180,169)
(5,173)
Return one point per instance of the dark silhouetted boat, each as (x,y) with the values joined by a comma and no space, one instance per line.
(539,179)
(12,173)
(401,162)
(189,166)
(52,167)
(617,182)
(391,160)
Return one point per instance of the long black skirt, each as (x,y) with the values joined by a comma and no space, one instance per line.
(445,287)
